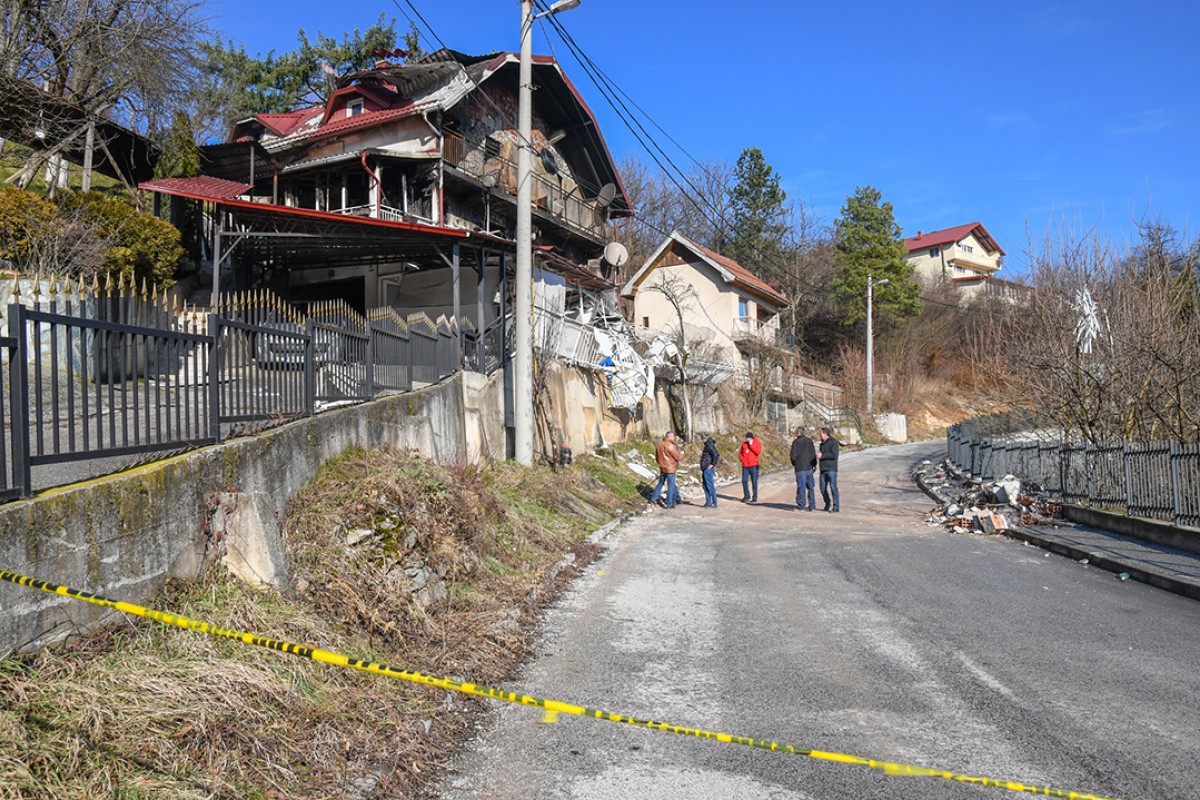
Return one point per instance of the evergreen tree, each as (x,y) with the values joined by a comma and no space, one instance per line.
(759,226)
(868,243)
(412,43)
(239,85)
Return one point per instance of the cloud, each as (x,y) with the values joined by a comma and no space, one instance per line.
(1143,123)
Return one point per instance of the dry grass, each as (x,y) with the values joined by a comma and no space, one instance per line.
(141,710)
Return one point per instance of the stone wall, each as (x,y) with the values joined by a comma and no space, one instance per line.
(123,535)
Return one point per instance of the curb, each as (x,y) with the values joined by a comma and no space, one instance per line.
(1141,573)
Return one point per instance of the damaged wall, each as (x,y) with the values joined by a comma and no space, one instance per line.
(577,401)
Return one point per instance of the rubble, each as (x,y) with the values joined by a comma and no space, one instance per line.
(984,509)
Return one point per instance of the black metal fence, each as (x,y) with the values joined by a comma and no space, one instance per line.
(92,380)
(1160,480)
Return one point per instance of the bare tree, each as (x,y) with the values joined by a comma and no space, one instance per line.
(1108,343)
(696,205)
(131,61)
(690,346)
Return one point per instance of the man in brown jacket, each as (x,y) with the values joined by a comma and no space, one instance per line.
(668,456)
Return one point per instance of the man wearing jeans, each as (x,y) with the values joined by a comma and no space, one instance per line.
(667,454)
(804,459)
(828,459)
(750,450)
(708,471)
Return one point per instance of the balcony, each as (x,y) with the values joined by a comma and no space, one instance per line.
(760,331)
(582,215)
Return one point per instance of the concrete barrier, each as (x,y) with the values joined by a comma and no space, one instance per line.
(1149,530)
(124,535)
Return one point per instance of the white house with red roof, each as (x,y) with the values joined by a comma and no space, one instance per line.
(966,256)
(723,302)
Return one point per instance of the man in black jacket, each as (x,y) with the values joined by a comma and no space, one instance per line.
(804,459)
(708,471)
(828,457)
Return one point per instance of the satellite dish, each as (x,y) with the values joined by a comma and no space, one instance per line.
(615,253)
(608,193)
(549,161)
(488,180)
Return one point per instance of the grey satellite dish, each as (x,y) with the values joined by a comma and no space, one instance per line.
(608,193)
(616,254)
(549,161)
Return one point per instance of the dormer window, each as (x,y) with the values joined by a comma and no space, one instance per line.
(354,108)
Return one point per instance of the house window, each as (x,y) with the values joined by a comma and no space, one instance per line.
(645,322)
(741,308)
(934,252)
(966,248)
(354,108)
(491,148)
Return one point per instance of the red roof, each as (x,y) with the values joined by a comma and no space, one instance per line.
(952,236)
(740,274)
(283,124)
(199,188)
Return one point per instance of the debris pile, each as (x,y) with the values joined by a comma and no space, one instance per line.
(984,508)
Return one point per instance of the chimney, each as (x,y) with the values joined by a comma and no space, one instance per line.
(382,64)
(920,234)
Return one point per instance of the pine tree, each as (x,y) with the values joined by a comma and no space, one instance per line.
(868,243)
(760,224)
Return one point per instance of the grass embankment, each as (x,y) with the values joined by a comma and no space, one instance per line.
(393,559)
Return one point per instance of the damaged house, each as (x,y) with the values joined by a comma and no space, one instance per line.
(400,192)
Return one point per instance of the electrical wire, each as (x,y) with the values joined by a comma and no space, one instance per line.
(612,94)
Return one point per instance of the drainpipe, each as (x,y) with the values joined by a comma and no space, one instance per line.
(377,189)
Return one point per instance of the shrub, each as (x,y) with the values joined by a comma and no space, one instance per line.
(140,247)
(23,216)
(36,236)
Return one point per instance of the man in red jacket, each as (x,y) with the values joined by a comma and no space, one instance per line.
(748,455)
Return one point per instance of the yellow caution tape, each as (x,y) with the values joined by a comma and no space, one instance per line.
(552,707)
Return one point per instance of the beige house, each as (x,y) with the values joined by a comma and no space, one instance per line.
(722,302)
(966,256)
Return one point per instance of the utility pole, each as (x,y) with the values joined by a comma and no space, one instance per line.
(523,357)
(871,284)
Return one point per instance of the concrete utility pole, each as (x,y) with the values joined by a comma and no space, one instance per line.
(871,284)
(523,357)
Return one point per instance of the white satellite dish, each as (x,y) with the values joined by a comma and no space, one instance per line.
(616,254)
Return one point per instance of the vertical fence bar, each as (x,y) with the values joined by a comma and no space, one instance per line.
(214,375)
(1176,494)
(310,375)
(22,472)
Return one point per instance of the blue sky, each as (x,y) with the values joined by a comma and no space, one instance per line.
(1020,115)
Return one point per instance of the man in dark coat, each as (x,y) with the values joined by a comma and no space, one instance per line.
(804,460)
(828,459)
(708,471)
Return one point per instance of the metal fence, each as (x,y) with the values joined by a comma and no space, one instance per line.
(1160,480)
(92,380)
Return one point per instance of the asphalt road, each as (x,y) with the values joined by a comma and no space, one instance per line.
(865,632)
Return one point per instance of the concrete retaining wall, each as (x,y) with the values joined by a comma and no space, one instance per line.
(123,535)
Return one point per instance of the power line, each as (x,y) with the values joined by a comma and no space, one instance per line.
(612,93)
